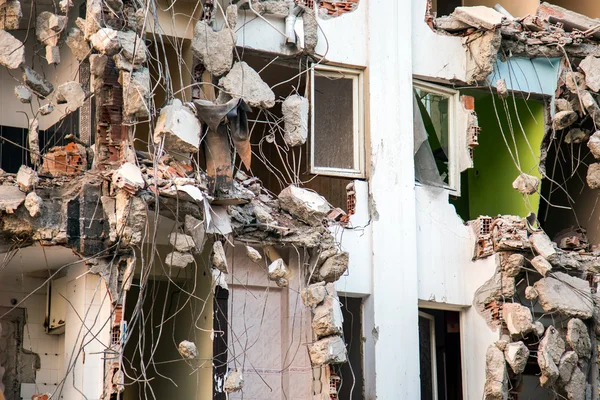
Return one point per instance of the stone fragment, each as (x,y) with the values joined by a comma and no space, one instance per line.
(243,81)
(576,388)
(27,178)
(313,294)
(98,64)
(72,94)
(594,144)
(196,229)
(518,319)
(576,136)
(218,258)
(37,83)
(234,382)
(495,387)
(93,17)
(33,141)
(10,15)
(327,318)
(52,55)
(563,119)
(106,41)
(590,105)
(566,366)
(575,81)
(132,46)
(501,88)
(179,260)
(278,272)
(516,355)
(591,68)
(542,244)
(181,242)
(49,26)
(330,350)
(188,349)
(122,63)
(136,90)
(562,105)
(593,176)
(46,109)
(12,51)
(78,45)
(502,343)
(450,23)
(550,351)
(568,295)
(214,49)
(531,293)
(11,197)
(480,17)
(538,328)
(578,338)
(526,184)
(513,264)
(541,265)
(253,254)
(179,128)
(304,204)
(295,119)
(23,94)
(33,203)
(129,177)
(334,267)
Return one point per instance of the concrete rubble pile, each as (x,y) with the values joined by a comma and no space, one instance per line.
(537,283)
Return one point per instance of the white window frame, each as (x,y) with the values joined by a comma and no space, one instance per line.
(433,355)
(453,186)
(357,76)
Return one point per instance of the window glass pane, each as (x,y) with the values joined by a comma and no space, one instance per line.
(334,122)
(434,109)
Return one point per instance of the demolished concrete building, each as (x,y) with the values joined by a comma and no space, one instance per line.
(218,199)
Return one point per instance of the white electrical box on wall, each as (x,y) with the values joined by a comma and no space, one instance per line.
(56,308)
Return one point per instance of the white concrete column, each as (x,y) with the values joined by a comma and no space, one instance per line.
(394,303)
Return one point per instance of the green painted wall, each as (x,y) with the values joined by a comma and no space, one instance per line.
(490,181)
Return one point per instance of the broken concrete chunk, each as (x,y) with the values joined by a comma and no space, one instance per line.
(574,81)
(501,88)
(188,350)
(33,204)
(253,254)
(10,15)
(518,319)
(562,105)
(313,294)
(482,55)
(49,26)
(541,265)
(243,81)
(508,285)
(538,328)
(496,387)
(234,382)
(576,136)
(46,109)
(516,355)
(52,55)
(553,344)
(304,204)
(136,90)
(129,177)
(10,198)
(37,82)
(531,293)
(23,94)
(591,67)
(526,184)
(542,244)
(179,128)
(12,51)
(450,23)
(550,350)
(133,47)
(563,120)
(27,178)
(214,49)
(181,242)
(593,176)
(195,228)
(334,267)
(480,17)
(295,119)
(327,318)
(33,141)
(98,64)
(65,5)
(218,258)
(106,41)
(179,260)
(578,338)
(594,144)
(568,295)
(330,350)
(72,94)
(513,264)
(568,363)
(590,105)
(278,272)
(576,388)
(78,45)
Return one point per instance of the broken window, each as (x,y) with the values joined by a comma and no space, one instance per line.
(435,142)
(440,355)
(337,143)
